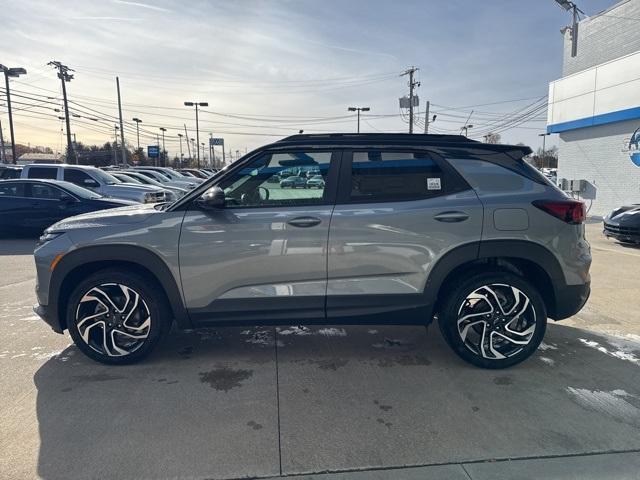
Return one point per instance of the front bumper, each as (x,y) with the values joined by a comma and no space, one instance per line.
(570,299)
(49,315)
(621,233)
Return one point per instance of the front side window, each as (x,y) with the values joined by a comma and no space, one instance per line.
(80,178)
(395,176)
(46,192)
(279,179)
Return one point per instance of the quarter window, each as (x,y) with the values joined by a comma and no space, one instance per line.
(273,179)
(43,172)
(395,176)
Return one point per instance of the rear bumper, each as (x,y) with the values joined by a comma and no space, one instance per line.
(49,315)
(570,299)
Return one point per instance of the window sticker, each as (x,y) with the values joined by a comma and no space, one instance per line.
(434,184)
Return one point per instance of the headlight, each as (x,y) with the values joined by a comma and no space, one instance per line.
(47,237)
(149,197)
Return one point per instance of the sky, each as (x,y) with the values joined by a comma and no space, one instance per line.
(270,68)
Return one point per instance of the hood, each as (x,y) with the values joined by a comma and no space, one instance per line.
(114,202)
(128,215)
(624,214)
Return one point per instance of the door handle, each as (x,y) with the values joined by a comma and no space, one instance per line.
(304,222)
(451,217)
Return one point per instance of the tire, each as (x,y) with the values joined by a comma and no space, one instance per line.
(514,316)
(117,318)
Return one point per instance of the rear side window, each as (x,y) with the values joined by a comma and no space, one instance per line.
(11,190)
(43,172)
(378,175)
(7,173)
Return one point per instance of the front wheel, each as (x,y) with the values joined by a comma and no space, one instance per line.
(116,317)
(493,320)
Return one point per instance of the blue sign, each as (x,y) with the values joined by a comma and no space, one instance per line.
(214,142)
(153,151)
(634,147)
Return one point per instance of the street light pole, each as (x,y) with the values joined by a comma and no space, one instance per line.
(197,104)
(11,72)
(181,154)
(164,152)
(138,122)
(358,109)
(466,129)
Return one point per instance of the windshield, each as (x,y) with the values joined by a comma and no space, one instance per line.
(126,178)
(105,177)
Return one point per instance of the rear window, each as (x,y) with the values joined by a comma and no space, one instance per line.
(395,176)
(43,172)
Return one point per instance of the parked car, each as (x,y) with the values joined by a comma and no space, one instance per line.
(315,182)
(10,171)
(174,176)
(30,206)
(188,183)
(293,182)
(409,228)
(171,193)
(96,180)
(194,172)
(623,224)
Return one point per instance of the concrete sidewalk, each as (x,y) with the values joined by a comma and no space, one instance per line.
(614,466)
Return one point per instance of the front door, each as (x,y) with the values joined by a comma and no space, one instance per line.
(264,254)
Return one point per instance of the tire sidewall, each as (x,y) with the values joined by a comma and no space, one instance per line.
(448,316)
(152,296)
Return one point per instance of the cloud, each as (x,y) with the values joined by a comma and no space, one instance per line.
(142,5)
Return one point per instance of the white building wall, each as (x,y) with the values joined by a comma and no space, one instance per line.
(600,155)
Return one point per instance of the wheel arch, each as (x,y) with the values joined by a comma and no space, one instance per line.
(87,260)
(527,259)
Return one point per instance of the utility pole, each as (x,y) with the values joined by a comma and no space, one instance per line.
(428,122)
(358,109)
(138,122)
(197,104)
(544,150)
(64,76)
(412,84)
(122,145)
(11,72)
(211,151)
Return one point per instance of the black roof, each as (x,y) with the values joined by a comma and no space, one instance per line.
(396,139)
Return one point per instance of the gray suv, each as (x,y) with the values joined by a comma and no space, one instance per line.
(405,229)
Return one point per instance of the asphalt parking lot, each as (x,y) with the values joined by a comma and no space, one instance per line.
(327,402)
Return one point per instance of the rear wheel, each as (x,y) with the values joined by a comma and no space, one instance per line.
(116,317)
(493,320)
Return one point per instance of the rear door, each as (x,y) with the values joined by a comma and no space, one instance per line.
(14,207)
(398,211)
(264,254)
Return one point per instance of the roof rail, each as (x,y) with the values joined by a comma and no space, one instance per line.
(405,137)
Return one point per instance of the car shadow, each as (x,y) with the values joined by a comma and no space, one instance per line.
(17,245)
(157,418)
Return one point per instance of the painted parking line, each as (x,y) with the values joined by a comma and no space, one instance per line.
(615,251)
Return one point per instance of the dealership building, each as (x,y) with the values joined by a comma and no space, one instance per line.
(595,110)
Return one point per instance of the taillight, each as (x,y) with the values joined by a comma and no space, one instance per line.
(570,211)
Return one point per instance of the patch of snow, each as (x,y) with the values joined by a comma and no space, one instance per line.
(619,354)
(548,361)
(333,332)
(372,332)
(611,403)
(547,346)
(295,331)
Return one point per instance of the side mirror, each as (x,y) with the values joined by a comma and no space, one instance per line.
(212,198)
(66,199)
(89,183)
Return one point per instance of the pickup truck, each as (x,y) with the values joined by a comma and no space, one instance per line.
(97,180)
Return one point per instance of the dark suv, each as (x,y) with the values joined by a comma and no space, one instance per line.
(404,229)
